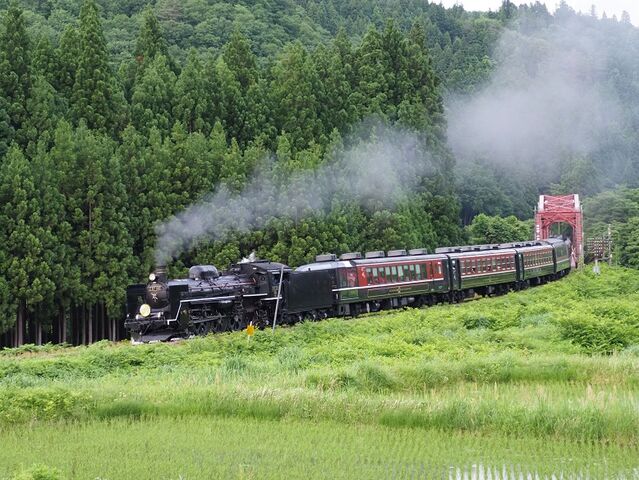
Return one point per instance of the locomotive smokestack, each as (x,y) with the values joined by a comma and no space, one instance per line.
(161,273)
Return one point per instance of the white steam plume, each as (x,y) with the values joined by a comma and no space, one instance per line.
(380,167)
(549,96)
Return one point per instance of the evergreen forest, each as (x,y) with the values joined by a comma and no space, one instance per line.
(116,115)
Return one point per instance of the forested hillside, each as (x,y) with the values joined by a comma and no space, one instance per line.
(115,115)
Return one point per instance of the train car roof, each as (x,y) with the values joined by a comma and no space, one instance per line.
(544,246)
(402,259)
(317,266)
(483,253)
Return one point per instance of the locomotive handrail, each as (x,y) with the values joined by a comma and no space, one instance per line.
(279,295)
(177,314)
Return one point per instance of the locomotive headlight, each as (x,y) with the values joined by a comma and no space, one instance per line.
(152,277)
(145,310)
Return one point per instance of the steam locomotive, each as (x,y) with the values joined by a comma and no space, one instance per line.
(262,292)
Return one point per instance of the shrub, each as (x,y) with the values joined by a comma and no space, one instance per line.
(597,335)
(472,320)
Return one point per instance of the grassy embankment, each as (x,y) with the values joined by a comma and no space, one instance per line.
(544,380)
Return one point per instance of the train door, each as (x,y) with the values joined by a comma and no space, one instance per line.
(454,273)
(520,266)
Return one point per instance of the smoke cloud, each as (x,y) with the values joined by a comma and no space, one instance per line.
(380,166)
(550,96)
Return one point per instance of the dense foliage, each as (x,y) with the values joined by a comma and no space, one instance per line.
(619,210)
(486,229)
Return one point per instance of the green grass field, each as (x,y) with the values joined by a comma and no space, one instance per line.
(542,381)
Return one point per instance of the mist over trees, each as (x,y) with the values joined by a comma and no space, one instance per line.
(116,115)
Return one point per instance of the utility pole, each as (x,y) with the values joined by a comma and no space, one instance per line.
(609,245)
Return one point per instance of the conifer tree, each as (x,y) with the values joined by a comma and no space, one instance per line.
(15,70)
(193,96)
(153,98)
(45,60)
(230,103)
(93,97)
(57,174)
(241,60)
(150,42)
(22,233)
(67,53)
(335,105)
(43,109)
(217,148)
(149,45)
(372,84)
(395,49)
(294,87)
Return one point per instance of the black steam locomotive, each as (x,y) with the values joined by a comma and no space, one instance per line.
(263,292)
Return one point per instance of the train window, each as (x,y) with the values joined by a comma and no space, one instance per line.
(342,278)
(388,276)
(418,272)
(393,274)
(411,268)
(406,273)
(351,277)
(369,276)
(439,268)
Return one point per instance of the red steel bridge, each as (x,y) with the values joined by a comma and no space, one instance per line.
(556,209)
